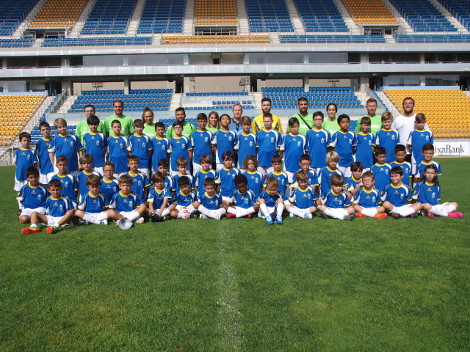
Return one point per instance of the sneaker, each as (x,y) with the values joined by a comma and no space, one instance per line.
(279,220)
(306,216)
(324,216)
(51,229)
(202,216)
(218,217)
(396,216)
(431,215)
(155,218)
(380,216)
(140,220)
(269,220)
(360,215)
(250,216)
(104,222)
(194,216)
(291,215)
(231,215)
(348,217)
(455,215)
(30,230)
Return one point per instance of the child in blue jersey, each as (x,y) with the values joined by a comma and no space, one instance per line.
(95,143)
(163,167)
(67,180)
(201,140)
(397,197)
(302,199)
(318,140)
(342,142)
(92,208)
(381,170)
(225,178)
(140,146)
(159,198)
(109,185)
(269,142)
(46,168)
(118,145)
(335,204)
(332,159)
(246,142)
(281,176)
(209,204)
(305,162)
(271,203)
(223,141)
(254,178)
(140,181)
(294,145)
(364,143)
(126,205)
(387,137)
(182,207)
(180,147)
(428,153)
(24,159)
(243,201)
(59,209)
(400,160)
(86,162)
(367,199)
(416,140)
(32,196)
(428,193)
(65,144)
(205,161)
(160,146)
(354,183)
(182,167)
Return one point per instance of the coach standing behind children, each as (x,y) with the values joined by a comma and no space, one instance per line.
(188,129)
(257,124)
(127,125)
(305,119)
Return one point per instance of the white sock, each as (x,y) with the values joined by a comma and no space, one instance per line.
(191,209)
(134,215)
(264,210)
(165,212)
(296,211)
(279,210)
(101,216)
(244,212)
(33,226)
(438,211)
(369,211)
(89,218)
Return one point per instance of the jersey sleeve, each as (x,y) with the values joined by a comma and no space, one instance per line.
(333,140)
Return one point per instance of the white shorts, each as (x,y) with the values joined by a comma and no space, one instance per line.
(447,207)
(29,211)
(144,170)
(52,220)
(45,178)
(401,209)
(345,170)
(19,184)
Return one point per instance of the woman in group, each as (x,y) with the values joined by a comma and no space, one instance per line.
(149,125)
(330,124)
(213,124)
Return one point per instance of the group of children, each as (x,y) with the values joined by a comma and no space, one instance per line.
(298,173)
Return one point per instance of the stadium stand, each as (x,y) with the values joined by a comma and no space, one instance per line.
(59,14)
(17,110)
(162,16)
(13,13)
(423,16)
(215,12)
(216,39)
(109,17)
(447,110)
(16,43)
(98,41)
(320,16)
(432,38)
(460,9)
(331,38)
(209,101)
(136,100)
(369,12)
(268,16)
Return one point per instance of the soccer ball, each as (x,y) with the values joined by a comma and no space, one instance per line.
(185,213)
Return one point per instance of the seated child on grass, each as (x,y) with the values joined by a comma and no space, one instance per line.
(209,204)
(92,208)
(271,203)
(335,204)
(32,196)
(182,207)
(243,202)
(303,197)
(159,198)
(367,199)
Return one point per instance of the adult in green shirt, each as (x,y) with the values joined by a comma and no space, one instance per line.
(375,120)
(149,125)
(188,129)
(305,119)
(127,124)
(331,124)
(82,127)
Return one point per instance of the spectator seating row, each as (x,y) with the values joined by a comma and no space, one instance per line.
(97,41)
(320,16)
(16,43)
(231,102)
(330,38)
(216,39)
(268,16)
(369,12)
(162,16)
(432,38)
(215,12)
(460,9)
(207,94)
(13,13)
(109,17)
(59,14)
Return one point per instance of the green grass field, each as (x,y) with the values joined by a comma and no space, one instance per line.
(240,285)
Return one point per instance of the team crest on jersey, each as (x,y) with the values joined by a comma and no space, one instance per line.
(230,138)
(251,143)
(97,143)
(206,139)
(299,144)
(272,139)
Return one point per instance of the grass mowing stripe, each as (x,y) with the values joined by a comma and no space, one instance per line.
(229,317)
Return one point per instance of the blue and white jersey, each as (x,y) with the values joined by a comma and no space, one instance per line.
(416,140)
(109,189)
(343,144)
(57,207)
(317,146)
(96,145)
(407,172)
(157,197)
(246,145)
(293,147)
(423,164)
(81,180)
(225,179)
(367,199)
(93,204)
(199,179)
(364,144)
(117,153)
(67,146)
(140,147)
(336,201)
(243,200)
(303,199)
(169,182)
(123,203)
(427,193)
(351,183)
(224,141)
(139,182)
(185,200)
(255,182)
(211,203)
(312,179)
(42,154)
(24,159)
(397,195)
(387,139)
(176,187)
(325,176)
(32,197)
(201,141)
(382,175)
(69,186)
(282,179)
(179,148)
(269,143)
(269,199)
(160,148)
